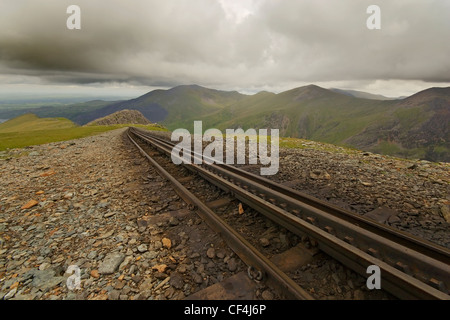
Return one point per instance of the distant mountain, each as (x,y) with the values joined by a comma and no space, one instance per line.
(177,106)
(30,122)
(52,110)
(364,95)
(417,125)
(121,117)
(414,127)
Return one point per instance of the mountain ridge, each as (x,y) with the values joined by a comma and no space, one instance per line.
(412,127)
(121,117)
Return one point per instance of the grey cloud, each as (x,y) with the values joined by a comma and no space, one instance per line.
(173,42)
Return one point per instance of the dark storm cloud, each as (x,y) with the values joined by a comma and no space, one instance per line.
(197,41)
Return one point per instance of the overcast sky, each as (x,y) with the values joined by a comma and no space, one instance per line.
(131,47)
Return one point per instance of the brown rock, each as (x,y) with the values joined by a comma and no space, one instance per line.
(14,285)
(445,211)
(101,297)
(160,267)
(48,173)
(211,253)
(241,210)
(95,274)
(30,204)
(166,243)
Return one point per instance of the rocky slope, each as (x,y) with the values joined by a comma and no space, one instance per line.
(85,203)
(121,117)
(132,237)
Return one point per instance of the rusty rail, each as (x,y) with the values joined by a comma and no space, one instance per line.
(250,255)
(411,268)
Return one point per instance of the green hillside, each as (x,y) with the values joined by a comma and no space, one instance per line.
(309,112)
(52,109)
(416,127)
(28,130)
(31,122)
(413,127)
(174,108)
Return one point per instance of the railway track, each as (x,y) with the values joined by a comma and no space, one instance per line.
(411,268)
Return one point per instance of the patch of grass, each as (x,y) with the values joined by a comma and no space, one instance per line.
(30,122)
(30,135)
(292,143)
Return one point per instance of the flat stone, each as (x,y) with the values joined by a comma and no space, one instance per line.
(114,295)
(10,294)
(294,258)
(109,214)
(30,204)
(111,263)
(176,280)
(237,287)
(146,285)
(381,214)
(45,280)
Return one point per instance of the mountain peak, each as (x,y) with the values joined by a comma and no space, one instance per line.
(308,92)
(124,116)
(432,95)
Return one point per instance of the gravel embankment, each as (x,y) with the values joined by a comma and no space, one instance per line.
(85,202)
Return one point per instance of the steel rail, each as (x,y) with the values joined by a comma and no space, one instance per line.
(250,255)
(339,240)
(412,242)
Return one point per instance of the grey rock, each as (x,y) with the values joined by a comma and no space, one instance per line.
(150,255)
(146,285)
(46,279)
(142,248)
(10,294)
(109,214)
(92,255)
(114,295)
(111,263)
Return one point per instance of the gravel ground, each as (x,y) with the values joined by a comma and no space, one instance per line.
(85,203)
(416,194)
(88,203)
